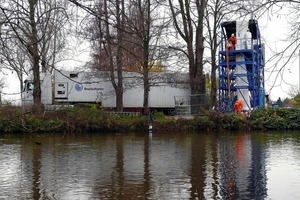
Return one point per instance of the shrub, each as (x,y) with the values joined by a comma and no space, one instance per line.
(275,119)
(92,119)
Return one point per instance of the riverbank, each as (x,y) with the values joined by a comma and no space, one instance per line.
(91,119)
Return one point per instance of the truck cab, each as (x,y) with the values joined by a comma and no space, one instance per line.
(46,87)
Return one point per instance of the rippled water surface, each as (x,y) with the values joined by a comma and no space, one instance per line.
(157,166)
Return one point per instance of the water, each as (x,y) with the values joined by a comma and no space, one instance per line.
(158,166)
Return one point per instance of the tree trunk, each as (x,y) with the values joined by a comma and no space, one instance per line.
(213,20)
(145,19)
(214,67)
(213,92)
(118,85)
(198,88)
(195,48)
(146,92)
(33,47)
(120,27)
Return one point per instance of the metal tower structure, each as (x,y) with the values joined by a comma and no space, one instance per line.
(241,70)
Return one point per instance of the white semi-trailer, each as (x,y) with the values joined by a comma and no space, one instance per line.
(65,87)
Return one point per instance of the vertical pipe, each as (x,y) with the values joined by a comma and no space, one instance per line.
(242,82)
(228,73)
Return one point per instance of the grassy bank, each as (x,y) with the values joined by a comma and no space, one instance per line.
(91,119)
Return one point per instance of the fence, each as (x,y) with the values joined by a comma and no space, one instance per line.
(191,105)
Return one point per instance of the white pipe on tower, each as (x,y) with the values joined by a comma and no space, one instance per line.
(242,81)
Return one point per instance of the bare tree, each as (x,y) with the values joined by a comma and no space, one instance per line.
(13,59)
(105,29)
(112,46)
(127,39)
(188,20)
(143,13)
(143,40)
(214,15)
(32,26)
(120,19)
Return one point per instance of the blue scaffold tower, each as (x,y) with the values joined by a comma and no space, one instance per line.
(241,66)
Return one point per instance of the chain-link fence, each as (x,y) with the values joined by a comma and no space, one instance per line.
(192,105)
(182,105)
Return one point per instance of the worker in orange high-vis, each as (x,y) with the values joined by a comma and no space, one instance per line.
(232,41)
(238,106)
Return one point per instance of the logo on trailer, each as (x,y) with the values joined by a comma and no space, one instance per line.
(78,87)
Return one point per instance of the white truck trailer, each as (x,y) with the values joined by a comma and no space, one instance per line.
(70,88)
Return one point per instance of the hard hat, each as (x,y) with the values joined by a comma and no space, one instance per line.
(232,34)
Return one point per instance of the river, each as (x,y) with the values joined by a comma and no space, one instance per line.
(222,165)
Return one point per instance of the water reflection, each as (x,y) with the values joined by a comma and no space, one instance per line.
(246,178)
(163,166)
